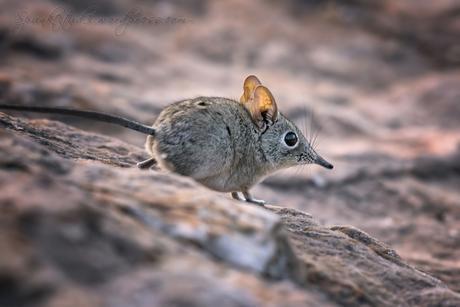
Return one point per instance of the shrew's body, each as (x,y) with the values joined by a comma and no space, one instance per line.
(229,158)
(225,145)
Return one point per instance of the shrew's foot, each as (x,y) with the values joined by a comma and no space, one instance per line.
(146,164)
(252,200)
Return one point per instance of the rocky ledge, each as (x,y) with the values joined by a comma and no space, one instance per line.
(81,226)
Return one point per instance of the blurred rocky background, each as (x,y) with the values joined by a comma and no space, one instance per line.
(376,85)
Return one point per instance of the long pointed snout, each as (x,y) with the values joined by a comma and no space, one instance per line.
(320,161)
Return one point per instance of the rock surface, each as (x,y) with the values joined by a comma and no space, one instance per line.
(381,77)
(80,223)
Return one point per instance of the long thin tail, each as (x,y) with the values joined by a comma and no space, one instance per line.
(102,117)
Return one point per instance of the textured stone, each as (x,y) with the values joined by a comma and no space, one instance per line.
(382,78)
(79,223)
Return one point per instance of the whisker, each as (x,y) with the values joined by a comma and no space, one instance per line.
(308,170)
(297,171)
(305,121)
(315,137)
(311,126)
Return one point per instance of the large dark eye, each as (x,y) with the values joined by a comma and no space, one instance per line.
(290,139)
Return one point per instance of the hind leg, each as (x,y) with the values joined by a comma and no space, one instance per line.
(237,197)
(252,200)
(146,164)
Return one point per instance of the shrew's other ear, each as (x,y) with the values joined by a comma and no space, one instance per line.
(250,83)
(262,107)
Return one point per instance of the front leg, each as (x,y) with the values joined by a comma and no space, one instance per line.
(252,200)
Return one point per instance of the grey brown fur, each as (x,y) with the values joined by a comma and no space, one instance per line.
(229,158)
(214,141)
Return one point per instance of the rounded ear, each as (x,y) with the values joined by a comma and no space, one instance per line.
(262,107)
(250,83)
